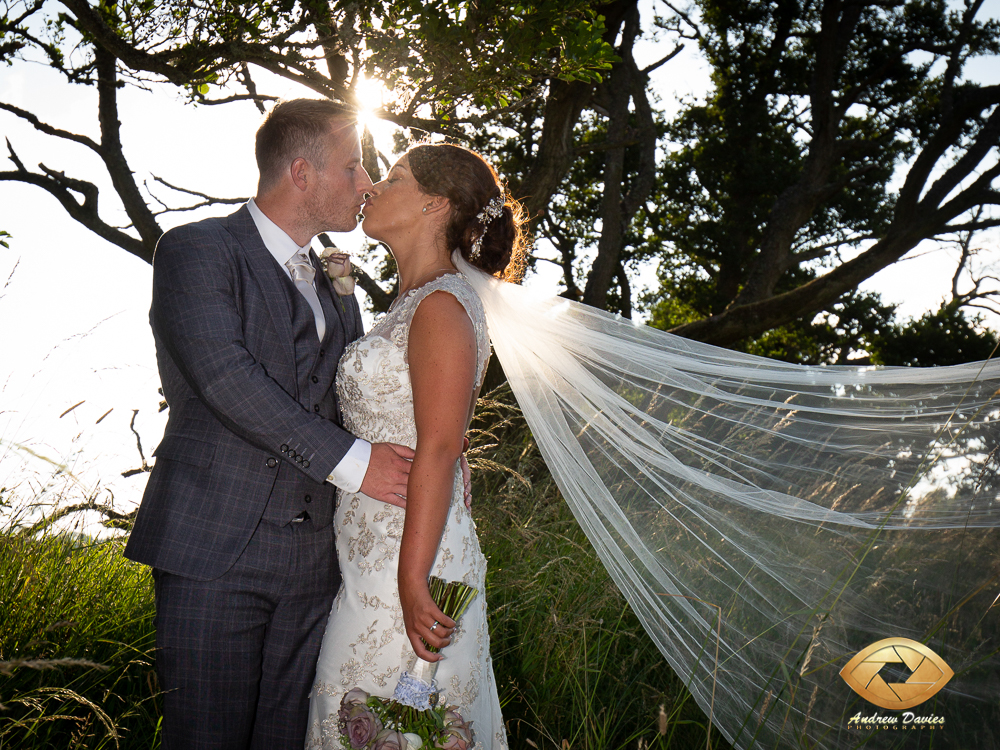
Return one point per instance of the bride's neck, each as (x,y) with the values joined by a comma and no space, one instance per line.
(420,265)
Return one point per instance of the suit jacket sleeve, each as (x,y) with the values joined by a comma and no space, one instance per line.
(197,315)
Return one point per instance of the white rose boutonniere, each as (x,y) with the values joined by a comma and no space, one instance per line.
(338,268)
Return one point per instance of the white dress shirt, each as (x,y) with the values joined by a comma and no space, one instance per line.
(350,472)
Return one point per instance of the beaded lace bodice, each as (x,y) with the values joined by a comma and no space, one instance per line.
(373,380)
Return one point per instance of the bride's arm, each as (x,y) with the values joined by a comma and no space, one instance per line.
(442,356)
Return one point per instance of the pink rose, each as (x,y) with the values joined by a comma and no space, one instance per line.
(356,697)
(338,268)
(362,726)
(356,721)
(388,739)
(458,734)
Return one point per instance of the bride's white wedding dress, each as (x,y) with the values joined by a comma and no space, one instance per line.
(365,644)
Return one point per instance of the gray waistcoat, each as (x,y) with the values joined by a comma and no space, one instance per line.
(293,491)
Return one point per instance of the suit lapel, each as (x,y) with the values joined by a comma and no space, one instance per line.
(266,272)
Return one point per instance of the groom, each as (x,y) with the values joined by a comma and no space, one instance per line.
(236,520)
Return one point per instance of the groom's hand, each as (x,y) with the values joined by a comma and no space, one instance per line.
(466,474)
(388,472)
(467,482)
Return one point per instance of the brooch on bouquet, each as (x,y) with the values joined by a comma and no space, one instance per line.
(412,718)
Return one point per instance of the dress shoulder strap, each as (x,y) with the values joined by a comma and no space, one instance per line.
(457,286)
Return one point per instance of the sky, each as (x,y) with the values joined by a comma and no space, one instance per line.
(74,307)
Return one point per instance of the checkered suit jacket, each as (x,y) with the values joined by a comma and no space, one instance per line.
(239,406)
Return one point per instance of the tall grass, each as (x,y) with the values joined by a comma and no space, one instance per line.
(76,643)
(574,666)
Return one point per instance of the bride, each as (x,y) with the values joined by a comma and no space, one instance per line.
(414,380)
(768,523)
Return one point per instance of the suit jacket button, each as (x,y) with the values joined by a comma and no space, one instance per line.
(305,465)
(284,449)
(316,408)
(322,352)
(272,462)
(292,454)
(309,498)
(298,459)
(315,379)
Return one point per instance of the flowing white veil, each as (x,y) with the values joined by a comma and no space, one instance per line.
(767,521)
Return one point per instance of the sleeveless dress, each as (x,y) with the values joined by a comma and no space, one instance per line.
(365,644)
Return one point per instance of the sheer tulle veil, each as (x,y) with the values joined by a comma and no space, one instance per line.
(768,521)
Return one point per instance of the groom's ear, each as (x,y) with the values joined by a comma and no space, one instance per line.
(300,171)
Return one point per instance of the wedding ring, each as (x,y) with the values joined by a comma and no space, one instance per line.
(436,623)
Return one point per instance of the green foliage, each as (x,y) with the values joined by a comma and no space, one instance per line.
(438,54)
(484,54)
(946,336)
(858,330)
(76,645)
(841,335)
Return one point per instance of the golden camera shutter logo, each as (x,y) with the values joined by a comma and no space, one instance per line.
(928,673)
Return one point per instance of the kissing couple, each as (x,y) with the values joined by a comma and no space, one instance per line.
(766,521)
(310,477)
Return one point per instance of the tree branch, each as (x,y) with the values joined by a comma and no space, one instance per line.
(208,200)
(49,130)
(257,99)
(380,298)
(972,226)
(62,188)
(663,60)
(684,17)
(985,141)
(114,158)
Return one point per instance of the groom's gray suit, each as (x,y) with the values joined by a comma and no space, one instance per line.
(238,493)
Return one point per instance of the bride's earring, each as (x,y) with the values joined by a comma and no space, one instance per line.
(425,209)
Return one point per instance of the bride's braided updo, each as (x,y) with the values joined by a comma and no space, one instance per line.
(486,224)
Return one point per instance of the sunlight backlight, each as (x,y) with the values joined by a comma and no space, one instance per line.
(371,95)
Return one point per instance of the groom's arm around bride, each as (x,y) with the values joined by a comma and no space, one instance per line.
(236,517)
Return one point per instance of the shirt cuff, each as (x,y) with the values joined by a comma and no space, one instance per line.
(350,472)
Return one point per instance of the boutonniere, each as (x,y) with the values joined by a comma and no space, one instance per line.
(338,268)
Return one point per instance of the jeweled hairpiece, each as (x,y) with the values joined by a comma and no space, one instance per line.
(491,211)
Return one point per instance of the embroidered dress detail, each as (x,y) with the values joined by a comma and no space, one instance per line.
(365,644)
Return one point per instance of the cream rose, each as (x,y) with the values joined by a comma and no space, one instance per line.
(338,268)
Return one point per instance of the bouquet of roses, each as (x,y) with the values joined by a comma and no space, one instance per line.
(372,723)
(412,718)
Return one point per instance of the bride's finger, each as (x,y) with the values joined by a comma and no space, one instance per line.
(438,638)
(421,650)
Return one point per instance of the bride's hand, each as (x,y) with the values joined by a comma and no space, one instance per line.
(420,614)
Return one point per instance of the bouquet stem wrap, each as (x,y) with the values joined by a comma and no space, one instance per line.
(416,686)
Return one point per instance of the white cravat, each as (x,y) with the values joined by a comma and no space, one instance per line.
(303,273)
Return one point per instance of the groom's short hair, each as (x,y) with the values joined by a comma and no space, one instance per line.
(294,128)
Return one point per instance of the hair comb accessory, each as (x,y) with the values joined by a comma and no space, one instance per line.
(491,211)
